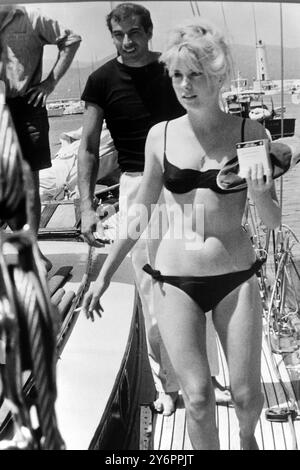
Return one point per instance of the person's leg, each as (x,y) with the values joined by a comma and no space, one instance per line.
(238,321)
(144,252)
(2,365)
(36,215)
(32,128)
(162,371)
(183,330)
(222,394)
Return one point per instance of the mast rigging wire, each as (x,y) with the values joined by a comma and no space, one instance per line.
(254,20)
(281,100)
(229,37)
(192,7)
(195,8)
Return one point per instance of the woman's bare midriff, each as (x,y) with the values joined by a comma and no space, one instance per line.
(208,257)
(219,245)
(205,236)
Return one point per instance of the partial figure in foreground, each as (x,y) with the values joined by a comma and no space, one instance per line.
(28,322)
(23,37)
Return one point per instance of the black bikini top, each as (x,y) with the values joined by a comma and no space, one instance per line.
(181,181)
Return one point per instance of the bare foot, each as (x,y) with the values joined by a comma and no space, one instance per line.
(222,394)
(166,403)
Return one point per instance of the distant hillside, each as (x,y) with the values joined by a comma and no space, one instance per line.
(72,84)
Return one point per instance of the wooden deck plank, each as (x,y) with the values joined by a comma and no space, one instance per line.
(157,430)
(222,415)
(187,441)
(167,432)
(234,430)
(223,425)
(259,435)
(179,425)
(277,398)
(266,426)
(226,418)
(285,377)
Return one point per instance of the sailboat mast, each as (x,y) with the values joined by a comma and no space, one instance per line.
(282,95)
(282,68)
(254,19)
(258,74)
(228,36)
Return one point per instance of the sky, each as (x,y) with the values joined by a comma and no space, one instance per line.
(238,20)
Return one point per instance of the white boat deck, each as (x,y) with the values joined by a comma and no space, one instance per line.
(92,355)
(91,358)
(88,367)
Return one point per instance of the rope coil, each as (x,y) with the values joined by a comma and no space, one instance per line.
(12,187)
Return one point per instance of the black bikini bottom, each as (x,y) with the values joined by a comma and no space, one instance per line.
(207,291)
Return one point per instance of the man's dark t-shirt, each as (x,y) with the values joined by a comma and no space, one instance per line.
(133,100)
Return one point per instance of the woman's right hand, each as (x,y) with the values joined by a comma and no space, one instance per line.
(91,301)
(91,226)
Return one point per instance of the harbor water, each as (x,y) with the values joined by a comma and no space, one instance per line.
(59,124)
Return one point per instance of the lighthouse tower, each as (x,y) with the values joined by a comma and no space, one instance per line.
(262,73)
(262,81)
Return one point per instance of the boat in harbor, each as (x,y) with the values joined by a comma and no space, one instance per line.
(259,106)
(257,102)
(55,109)
(74,107)
(64,107)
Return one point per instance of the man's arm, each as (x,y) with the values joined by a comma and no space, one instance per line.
(39,93)
(88,165)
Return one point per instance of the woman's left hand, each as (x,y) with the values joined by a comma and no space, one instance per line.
(259,179)
(91,301)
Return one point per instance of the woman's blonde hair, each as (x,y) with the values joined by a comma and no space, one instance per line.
(202,47)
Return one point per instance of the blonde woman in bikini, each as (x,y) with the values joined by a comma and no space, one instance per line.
(205,261)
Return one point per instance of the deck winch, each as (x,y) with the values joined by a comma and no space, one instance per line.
(279,414)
